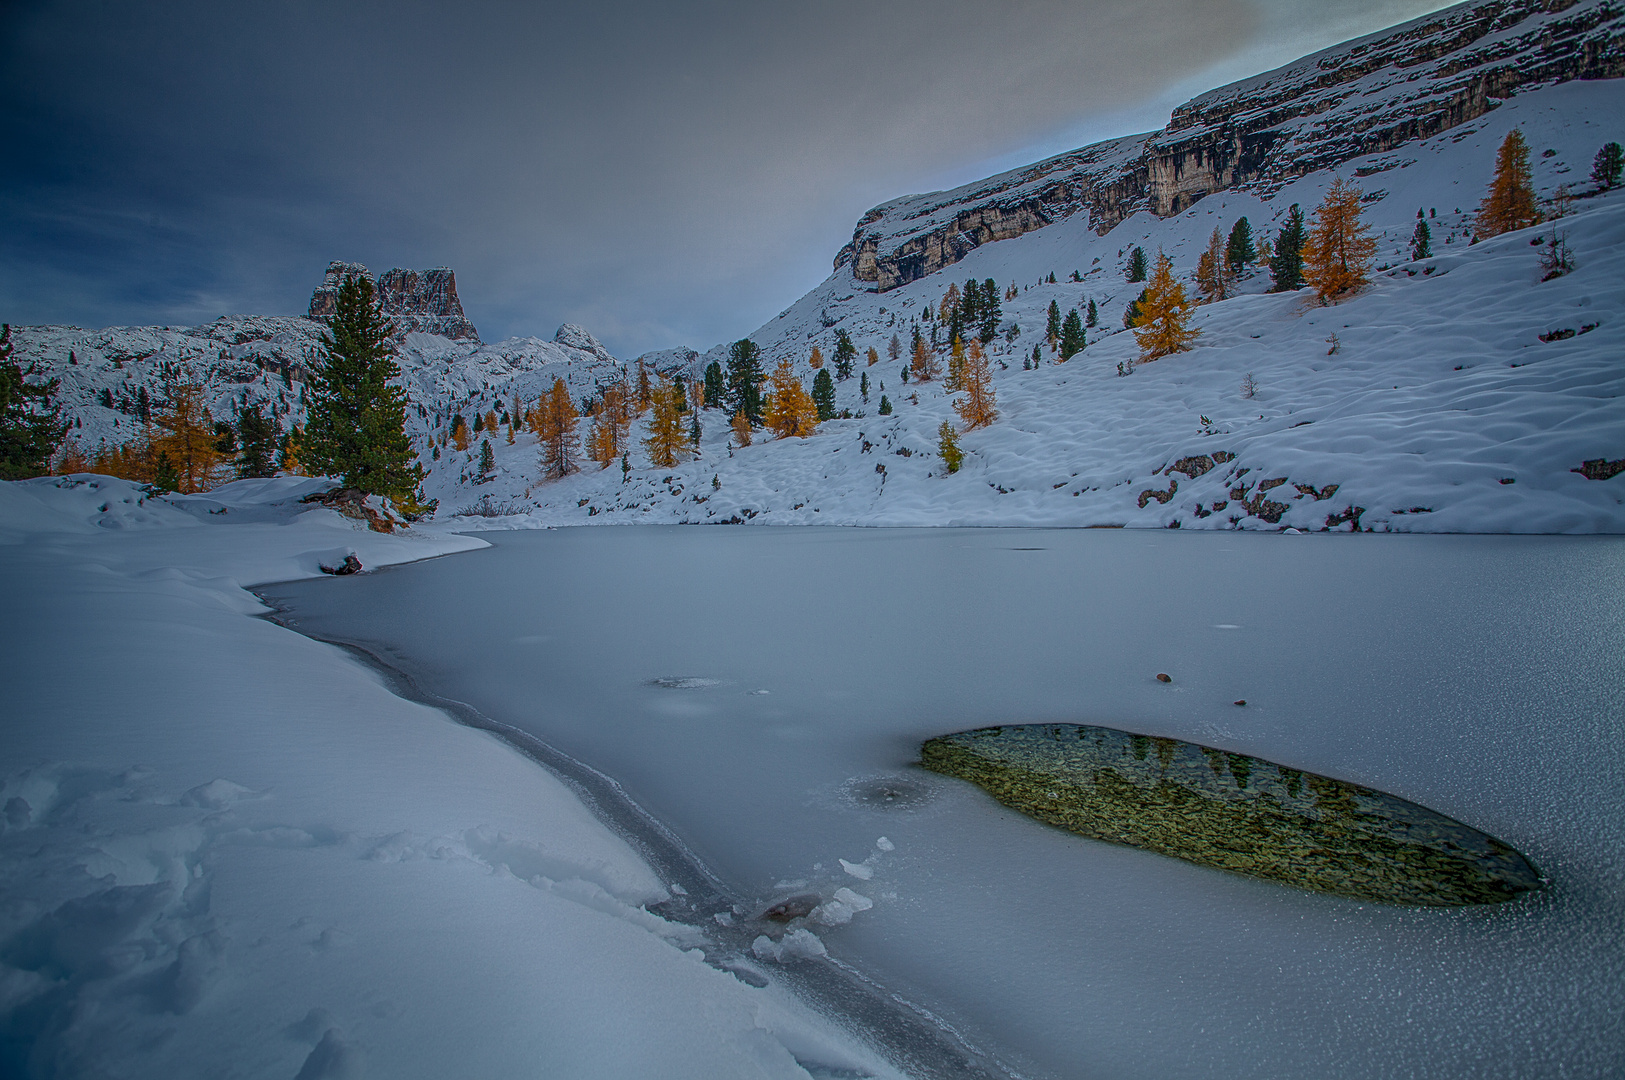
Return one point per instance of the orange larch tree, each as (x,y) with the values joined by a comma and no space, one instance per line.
(187,438)
(978,408)
(1337,255)
(1163,325)
(1510,202)
(816,360)
(924,367)
(667,440)
(792,410)
(1211,275)
(555,420)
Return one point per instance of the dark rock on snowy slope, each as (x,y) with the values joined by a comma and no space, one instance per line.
(418,301)
(1358,98)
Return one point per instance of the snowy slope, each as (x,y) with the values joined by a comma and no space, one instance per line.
(228,850)
(1443,410)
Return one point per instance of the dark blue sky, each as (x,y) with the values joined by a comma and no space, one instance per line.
(661,173)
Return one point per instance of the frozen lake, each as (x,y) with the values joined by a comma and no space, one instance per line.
(763,692)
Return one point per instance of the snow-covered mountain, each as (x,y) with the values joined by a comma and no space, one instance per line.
(1449,396)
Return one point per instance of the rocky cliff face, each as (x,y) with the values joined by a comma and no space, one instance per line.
(1362,97)
(418,301)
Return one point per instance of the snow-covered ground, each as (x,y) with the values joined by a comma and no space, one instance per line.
(1441,410)
(228,850)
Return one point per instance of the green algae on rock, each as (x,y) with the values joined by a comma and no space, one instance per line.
(1234,812)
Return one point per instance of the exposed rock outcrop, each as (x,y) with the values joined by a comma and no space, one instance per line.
(1360,98)
(417,301)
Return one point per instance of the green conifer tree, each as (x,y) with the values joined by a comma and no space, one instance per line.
(1240,253)
(257,439)
(1136,264)
(1286,265)
(989,312)
(356,424)
(1093,318)
(1052,324)
(845,354)
(1421,238)
(714,390)
(29,420)
(1608,165)
(885,405)
(744,380)
(823,395)
(1072,336)
(948,447)
(863,387)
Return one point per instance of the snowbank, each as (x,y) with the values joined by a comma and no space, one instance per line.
(228,849)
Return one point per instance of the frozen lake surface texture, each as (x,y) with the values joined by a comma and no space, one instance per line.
(764,693)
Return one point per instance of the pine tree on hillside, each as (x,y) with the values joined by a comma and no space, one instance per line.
(745,380)
(948,447)
(666,442)
(459,432)
(1286,267)
(885,405)
(1510,202)
(1052,325)
(1240,253)
(1608,165)
(29,424)
(1337,256)
(979,407)
(990,312)
(257,438)
(1072,335)
(1131,311)
(645,390)
(791,411)
(863,387)
(823,395)
(816,360)
(1163,326)
(488,459)
(1136,265)
(1211,276)
(1093,318)
(356,418)
(713,385)
(956,366)
(188,441)
(845,354)
(1421,239)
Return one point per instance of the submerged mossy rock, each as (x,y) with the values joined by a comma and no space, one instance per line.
(1234,812)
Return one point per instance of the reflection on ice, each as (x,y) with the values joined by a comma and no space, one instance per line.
(1234,812)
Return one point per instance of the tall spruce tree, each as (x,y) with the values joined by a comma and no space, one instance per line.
(29,424)
(1072,336)
(744,380)
(257,438)
(823,395)
(356,419)
(845,354)
(1052,325)
(1421,238)
(1136,265)
(990,313)
(1286,266)
(1240,253)
(1608,165)
(714,392)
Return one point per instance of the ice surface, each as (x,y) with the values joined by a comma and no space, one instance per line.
(1478,676)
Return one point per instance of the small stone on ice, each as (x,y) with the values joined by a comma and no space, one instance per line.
(1241,701)
(1163,678)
